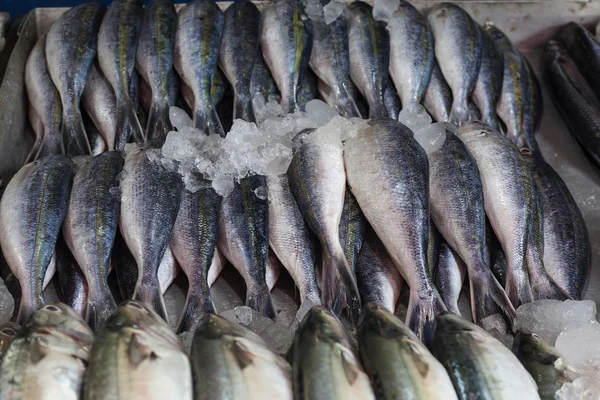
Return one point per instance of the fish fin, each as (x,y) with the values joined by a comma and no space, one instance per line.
(241,353)
(518,290)
(488,296)
(150,294)
(139,351)
(75,137)
(259,299)
(158,121)
(544,287)
(128,126)
(339,288)
(242,109)
(52,144)
(421,314)
(207,120)
(345,105)
(194,309)
(98,309)
(460,112)
(351,370)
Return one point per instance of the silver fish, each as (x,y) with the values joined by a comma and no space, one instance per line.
(99,102)
(438,96)
(307,89)
(262,81)
(73,285)
(449,275)
(391,100)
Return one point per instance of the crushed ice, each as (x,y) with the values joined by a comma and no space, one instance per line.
(384,9)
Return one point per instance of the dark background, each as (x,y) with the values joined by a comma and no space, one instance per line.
(15,7)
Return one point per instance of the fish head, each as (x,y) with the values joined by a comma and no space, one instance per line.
(215,327)
(473,130)
(377,319)
(530,346)
(60,319)
(322,324)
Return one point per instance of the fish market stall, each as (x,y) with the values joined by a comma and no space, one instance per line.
(229,242)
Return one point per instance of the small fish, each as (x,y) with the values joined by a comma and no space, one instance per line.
(99,102)
(479,363)
(325,364)
(232,362)
(48,357)
(73,285)
(458,53)
(286,46)
(438,96)
(137,356)
(70,51)
(488,86)
(584,49)
(370,56)
(197,42)
(90,227)
(150,198)
(384,165)
(449,276)
(32,210)
(411,53)
(154,61)
(117,46)
(239,48)
(244,239)
(377,277)
(45,100)
(399,365)
(8,332)
(193,242)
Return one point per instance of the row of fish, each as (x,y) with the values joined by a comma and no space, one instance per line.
(137,356)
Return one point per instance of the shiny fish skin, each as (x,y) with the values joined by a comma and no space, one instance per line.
(90,227)
(400,172)
(438,96)
(458,53)
(411,53)
(154,61)
(478,363)
(117,46)
(574,99)
(566,243)
(352,229)
(286,47)
(8,332)
(262,80)
(391,100)
(137,356)
(318,183)
(369,58)
(48,358)
(70,52)
(584,49)
(533,108)
(325,363)
(193,242)
(45,100)
(307,88)
(98,100)
(73,285)
(244,240)
(503,170)
(488,86)
(150,198)
(197,42)
(291,240)
(399,365)
(231,362)
(38,130)
(456,199)
(32,210)
(449,276)
(239,49)
(377,277)
(330,60)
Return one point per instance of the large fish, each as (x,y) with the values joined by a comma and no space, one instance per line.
(45,100)
(70,52)
(150,198)
(399,365)
(503,170)
(117,46)
(325,363)
(438,96)
(90,227)
(32,210)
(411,53)
(387,171)
(154,61)
(584,49)
(458,53)
(137,356)
(48,357)
(318,183)
(232,362)
(197,42)
(98,100)
(456,198)
(286,47)
(478,363)
(193,242)
(488,86)
(239,49)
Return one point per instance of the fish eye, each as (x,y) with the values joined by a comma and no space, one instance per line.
(482,133)
(51,308)
(9,332)
(525,151)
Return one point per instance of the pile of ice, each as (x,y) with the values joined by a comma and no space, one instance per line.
(570,326)
(383,10)
(431,136)
(319,13)
(263,148)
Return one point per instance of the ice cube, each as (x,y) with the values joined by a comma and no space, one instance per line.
(332,11)
(223,185)
(586,387)
(498,328)
(179,118)
(7,303)
(314,10)
(414,117)
(548,318)
(320,112)
(579,343)
(261,192)
(432,137)
(384,9)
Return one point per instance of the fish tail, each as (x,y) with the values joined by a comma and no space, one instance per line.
(242,109)
(488,296)
(150,294)
(28,306)
(158,124)
(339,289)
(75,137)
(52,144)
(128,126)
(98,309)
(259,299)
(32,156)
(421,314)
(377,108)
(518,290)
(207,120)
(544,287)
(194,309)
(345,104)
(460,112)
